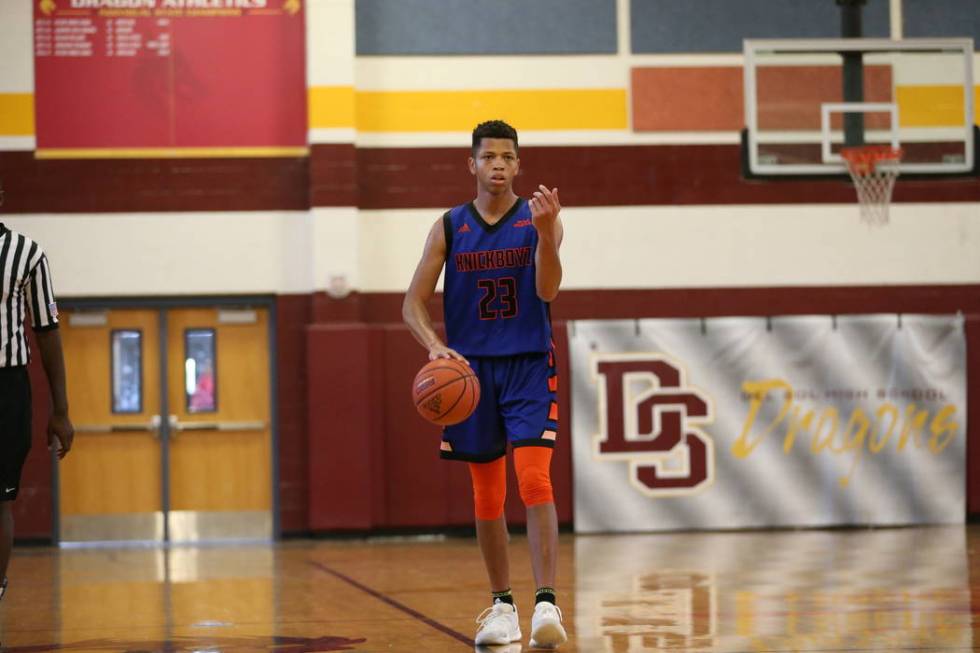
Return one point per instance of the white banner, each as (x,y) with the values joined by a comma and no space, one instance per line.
(755,422)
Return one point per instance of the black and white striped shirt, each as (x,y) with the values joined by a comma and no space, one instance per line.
(25,286)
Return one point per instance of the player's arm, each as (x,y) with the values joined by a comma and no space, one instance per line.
(544,216)
(415,310)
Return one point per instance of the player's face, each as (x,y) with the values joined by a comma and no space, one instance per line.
(495,165)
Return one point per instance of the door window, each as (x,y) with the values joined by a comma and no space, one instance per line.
(200,371)
(127,371)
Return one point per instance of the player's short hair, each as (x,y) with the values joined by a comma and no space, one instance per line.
(493,129)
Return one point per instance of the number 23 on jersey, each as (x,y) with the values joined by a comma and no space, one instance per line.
(499,298)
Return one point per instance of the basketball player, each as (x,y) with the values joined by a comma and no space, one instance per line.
(25,285)
(500,252)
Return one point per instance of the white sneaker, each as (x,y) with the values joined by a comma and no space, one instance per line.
(503,648)
(498,625)
(546,628)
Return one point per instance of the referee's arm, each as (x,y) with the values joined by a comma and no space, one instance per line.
(44,319)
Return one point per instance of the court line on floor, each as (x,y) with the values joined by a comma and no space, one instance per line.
(393,603)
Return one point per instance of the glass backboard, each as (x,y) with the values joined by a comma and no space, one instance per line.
(916,94)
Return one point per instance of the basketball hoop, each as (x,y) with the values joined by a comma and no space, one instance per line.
(873,169)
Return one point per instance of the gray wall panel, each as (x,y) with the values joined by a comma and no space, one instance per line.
(941,18)
(406,27)
(721,25)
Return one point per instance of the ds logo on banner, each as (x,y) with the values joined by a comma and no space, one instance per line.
(649,416)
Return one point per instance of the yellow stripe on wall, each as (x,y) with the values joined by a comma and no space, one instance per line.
(442,111)
(172,152)
(417,111)
(16,114)
(976,105)
(331,106)
(933,106)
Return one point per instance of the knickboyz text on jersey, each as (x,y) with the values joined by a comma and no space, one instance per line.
(494,259)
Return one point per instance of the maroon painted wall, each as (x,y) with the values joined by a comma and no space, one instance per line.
(292,315)
(421,177)
(394,478)
(346,465)
(130,185)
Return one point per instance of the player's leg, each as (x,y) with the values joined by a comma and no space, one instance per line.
(480,440)
(498,623)
(530,410)
(489,493)
(533,465)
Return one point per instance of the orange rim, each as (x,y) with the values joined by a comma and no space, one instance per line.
(865,158)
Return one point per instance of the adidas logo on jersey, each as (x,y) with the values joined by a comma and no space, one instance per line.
(522,223)
(464,229)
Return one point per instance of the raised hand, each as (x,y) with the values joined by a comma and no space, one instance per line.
(544,209)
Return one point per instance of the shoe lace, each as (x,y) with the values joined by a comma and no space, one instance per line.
(489,615)
(551,610)
(484,616)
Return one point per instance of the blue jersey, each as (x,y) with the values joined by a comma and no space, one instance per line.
(490,297)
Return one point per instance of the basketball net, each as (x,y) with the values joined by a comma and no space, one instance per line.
(873,169)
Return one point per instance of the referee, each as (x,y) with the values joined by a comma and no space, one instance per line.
(25,287)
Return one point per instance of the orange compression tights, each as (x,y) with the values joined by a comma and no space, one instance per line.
(489,488)
(533,467)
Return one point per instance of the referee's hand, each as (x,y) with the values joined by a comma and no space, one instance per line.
(60,429)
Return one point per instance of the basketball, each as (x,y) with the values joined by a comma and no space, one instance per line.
(445,391)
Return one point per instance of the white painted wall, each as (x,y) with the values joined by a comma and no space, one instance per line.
(724,246)
(16,46)
(16,60)
(175,253)
(329,42)
(613,247)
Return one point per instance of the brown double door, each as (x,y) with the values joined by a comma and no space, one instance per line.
(172,414)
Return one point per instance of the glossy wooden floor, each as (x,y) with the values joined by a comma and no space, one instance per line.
(852,590)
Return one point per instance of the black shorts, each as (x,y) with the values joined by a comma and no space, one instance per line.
(15,428)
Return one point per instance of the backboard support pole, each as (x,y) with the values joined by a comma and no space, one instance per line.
(853,70)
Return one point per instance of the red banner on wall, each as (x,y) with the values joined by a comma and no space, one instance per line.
(169,77)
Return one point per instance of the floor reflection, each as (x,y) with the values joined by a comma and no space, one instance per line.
(197,644)
(766,591)
(867,591)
